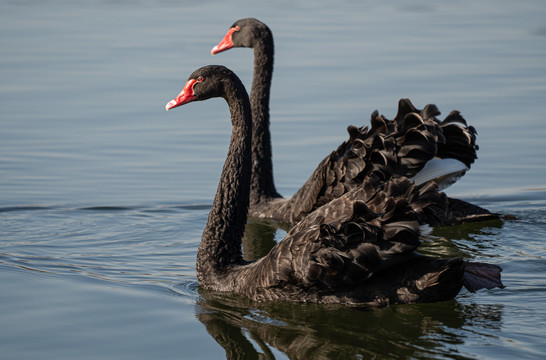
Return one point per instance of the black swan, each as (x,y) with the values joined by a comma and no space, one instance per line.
(359,248)
(409,145)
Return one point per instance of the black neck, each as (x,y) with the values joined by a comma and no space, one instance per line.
(220,245)
(262,183)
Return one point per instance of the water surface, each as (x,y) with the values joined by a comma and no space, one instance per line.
(103,195)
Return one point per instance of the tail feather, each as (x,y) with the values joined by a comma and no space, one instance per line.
(481,276)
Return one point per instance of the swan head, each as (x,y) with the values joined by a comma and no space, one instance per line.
(243,33)
(205,83)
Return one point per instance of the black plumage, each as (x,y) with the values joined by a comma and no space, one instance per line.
(398,147)
(357,248)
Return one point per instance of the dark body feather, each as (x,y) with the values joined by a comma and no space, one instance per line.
(398,147)
(358,248)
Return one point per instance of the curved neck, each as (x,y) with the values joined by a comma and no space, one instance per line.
(262,183)
(220,244)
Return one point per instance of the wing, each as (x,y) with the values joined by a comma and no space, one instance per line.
(460,141)
(398,147)
(342,244)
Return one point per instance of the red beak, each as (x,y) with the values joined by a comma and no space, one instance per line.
(185,96)
(226,43)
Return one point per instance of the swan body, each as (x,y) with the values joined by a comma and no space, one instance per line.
(358,248)
(415,144)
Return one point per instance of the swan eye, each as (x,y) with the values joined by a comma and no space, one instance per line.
(194,82)
(237,28)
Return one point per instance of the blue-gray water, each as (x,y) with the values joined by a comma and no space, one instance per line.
(103,195)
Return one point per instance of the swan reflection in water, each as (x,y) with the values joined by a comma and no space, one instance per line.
(314,331)
(260,236)
(246,329)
